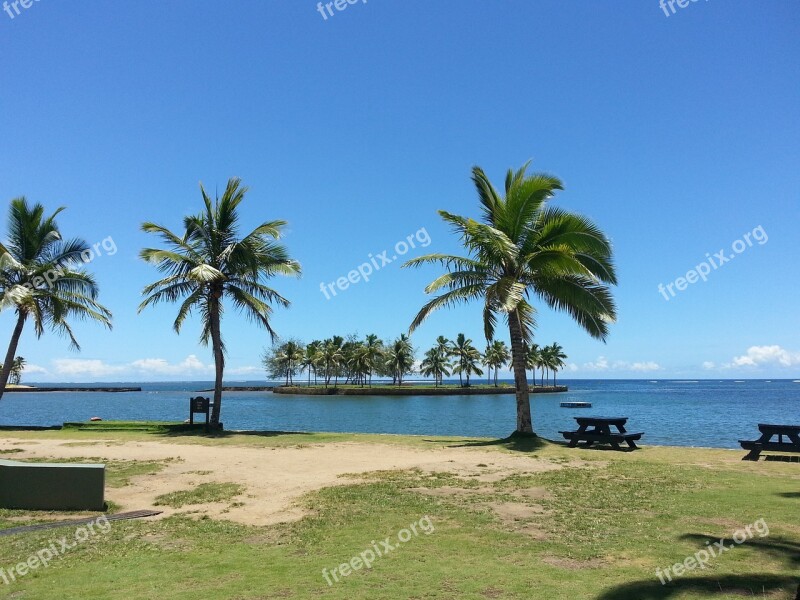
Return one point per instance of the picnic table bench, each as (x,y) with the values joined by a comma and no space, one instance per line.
(593,430)
(768,431)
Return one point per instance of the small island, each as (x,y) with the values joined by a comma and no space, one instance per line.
(412,390)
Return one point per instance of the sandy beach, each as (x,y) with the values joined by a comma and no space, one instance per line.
(274,478)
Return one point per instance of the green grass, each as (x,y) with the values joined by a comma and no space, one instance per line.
(596,529)
(202,494)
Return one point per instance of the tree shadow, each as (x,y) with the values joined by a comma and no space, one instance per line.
(789,494)
(222,434)
(713,585)
(723,586)
(516,442)
(776,547)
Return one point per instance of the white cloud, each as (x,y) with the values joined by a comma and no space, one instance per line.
(83,367)
(645,366)
(708,365)
(147,368)
(244,370)
(31,369)
(600,365)
(603,364)
(190,365)
(767,355)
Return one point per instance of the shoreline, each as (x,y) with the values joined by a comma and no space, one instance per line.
(73,389)
(411,391)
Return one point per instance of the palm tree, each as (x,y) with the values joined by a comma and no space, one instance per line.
(487,362)
(209,261)
(400,358)
(17,369)
(40,279)
(436,365)
(468,358)
(289,357)
(524,249)
(460,349)
(554,359)
(359,363)
(496,356)
(533,360)
(311,359)
(332,357)
(374,351)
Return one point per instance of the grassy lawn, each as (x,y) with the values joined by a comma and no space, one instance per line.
(596,529)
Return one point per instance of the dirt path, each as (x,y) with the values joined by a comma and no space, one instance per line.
(275,478)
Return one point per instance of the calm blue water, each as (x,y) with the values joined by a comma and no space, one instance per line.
(704,413)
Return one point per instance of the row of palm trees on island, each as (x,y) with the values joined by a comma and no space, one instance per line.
(521,252)
(350,361)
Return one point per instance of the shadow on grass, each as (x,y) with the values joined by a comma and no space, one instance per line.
(789,494)
(713,585)
(516,441)
(778,548)
(222,434)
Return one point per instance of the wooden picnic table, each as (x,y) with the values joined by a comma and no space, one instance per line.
(593,430)
(769,431)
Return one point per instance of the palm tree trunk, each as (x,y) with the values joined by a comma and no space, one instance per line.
(524,424)
(219,361)
(8,364)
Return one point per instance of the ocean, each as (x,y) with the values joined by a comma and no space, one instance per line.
(708,413)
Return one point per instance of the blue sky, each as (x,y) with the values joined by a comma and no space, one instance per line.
(677,134)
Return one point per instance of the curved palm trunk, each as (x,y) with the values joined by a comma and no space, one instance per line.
(219,362)
(524,424)
(8,364)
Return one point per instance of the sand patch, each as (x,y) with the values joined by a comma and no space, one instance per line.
(276,478)
(572,564)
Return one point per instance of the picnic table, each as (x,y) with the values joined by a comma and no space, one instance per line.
(593,430)
(768,431)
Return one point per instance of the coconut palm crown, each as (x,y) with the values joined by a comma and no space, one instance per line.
(42,279)
(523,250)
(209,262)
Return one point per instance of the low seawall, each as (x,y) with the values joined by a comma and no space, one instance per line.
(73,389)
(242,388)
(410,391)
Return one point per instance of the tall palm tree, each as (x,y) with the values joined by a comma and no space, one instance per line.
(497,356)
(400,358)
(374,352)
(468,365)
(289,357)
(523,250)
(436,364)
(311,360)
(210,261)
(488,360)
(554,359)
(40,279)
(332,357)
(533,360)
(17,369)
